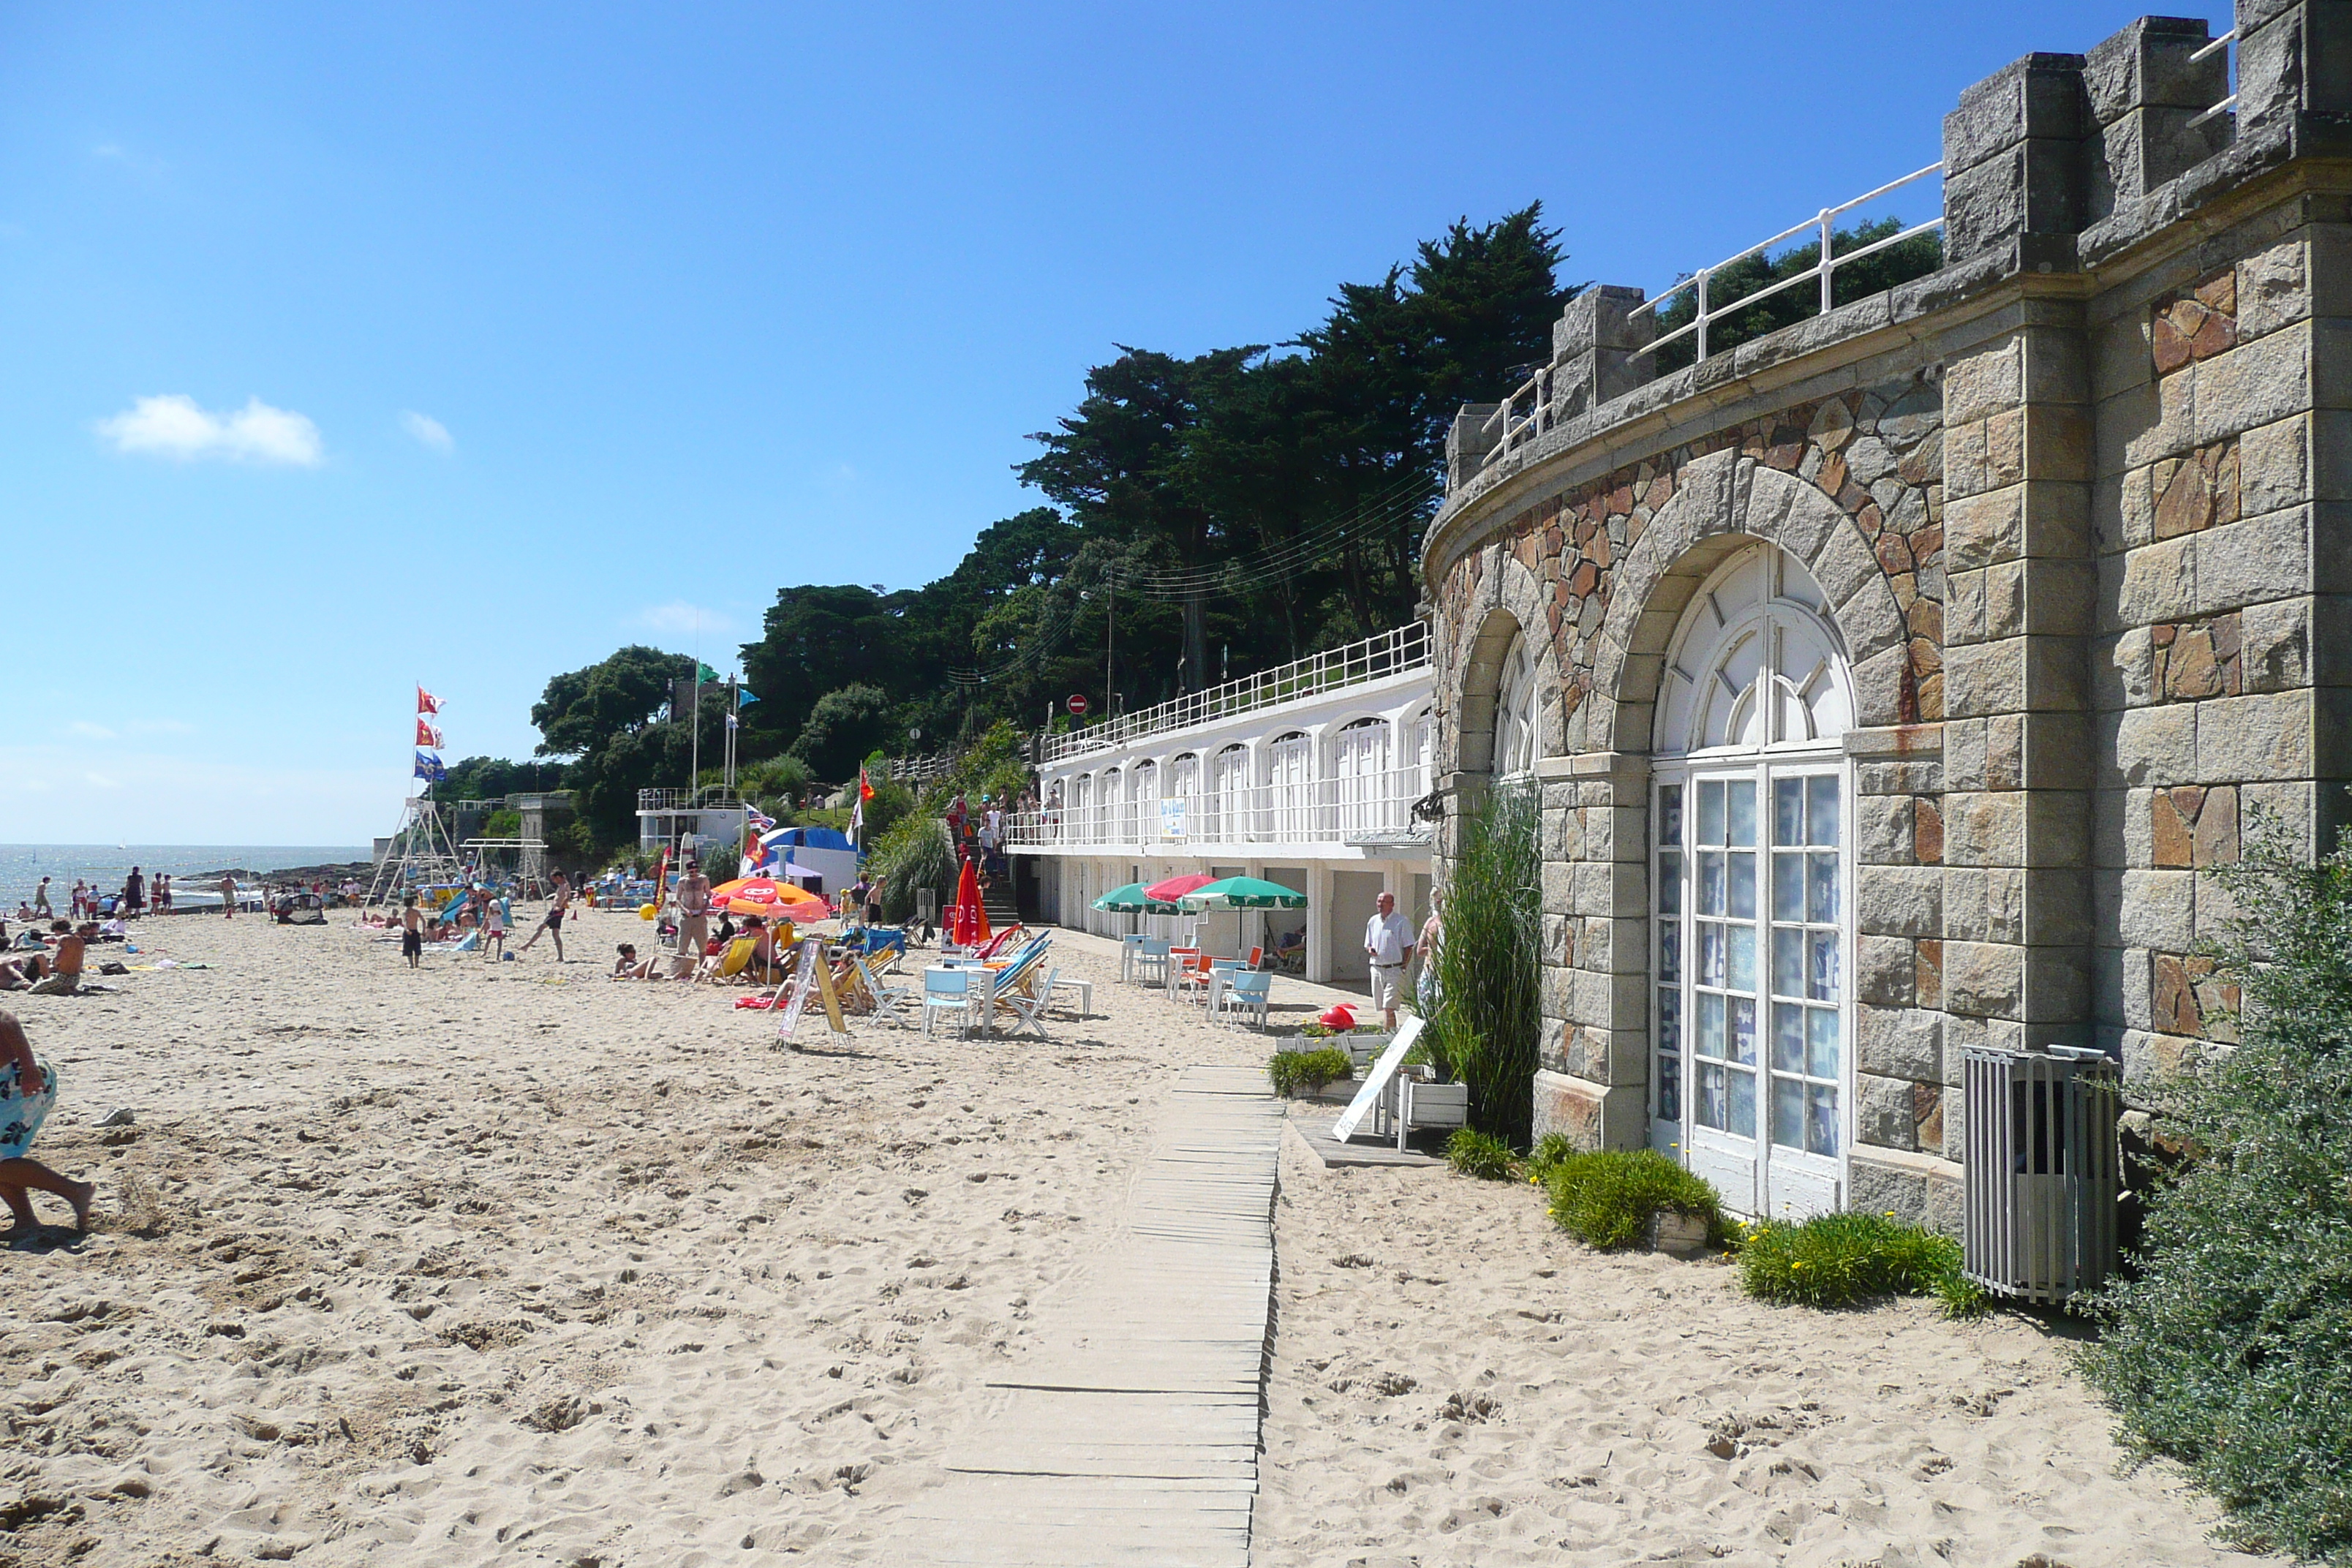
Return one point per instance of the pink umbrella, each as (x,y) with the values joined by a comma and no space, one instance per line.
(1175,887)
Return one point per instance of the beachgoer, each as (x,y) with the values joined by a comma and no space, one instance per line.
(162,893)
(134,893)
(1433,942)
(693,909)
(958,813)
(41,910)
(66,961)
(861,893)
(28,1088)
(81,893)
(228,896)
(874,901)
(626,967)
(412,931)
(494,927)
(1387,939)
(552,924)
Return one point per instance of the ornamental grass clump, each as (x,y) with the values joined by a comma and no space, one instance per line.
(1843,1259)
(2228,1345)
(1479,1155)
(1607,1199)
(1293,1071)
(1486,1018)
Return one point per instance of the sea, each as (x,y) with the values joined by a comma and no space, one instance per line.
(22,866)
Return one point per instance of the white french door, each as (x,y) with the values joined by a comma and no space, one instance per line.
(1752,1014)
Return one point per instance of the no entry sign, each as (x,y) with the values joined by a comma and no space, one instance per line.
(1079,704)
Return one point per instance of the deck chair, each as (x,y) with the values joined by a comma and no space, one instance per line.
(1246,991)
(948,991)
(1152,962)
(1028,1011)
(886,998)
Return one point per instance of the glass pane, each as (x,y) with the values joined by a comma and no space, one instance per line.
(1743,1103)
(1710,811)
(1789,1113)
(1710,953)
(1822,1120)
(1822,793)
(1822,894)
(1824,966)
(1742,792)
(1711,1097)
(1743,959)
(1670,884)
(1710,1026)
(1788,1038)
(1822,1042)
(1743,887)
(1743,1029)
(1788,961)
(1669,1088)
(1670,1022)
(1788,811)
(1670,951)
(1710,881)
(1670,815)
(1788,887)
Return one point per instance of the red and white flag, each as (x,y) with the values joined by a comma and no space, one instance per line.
(426,735)
(426,702)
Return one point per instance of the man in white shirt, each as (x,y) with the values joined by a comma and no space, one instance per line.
(1387,940)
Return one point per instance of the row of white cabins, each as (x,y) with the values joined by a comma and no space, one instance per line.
(1305,776)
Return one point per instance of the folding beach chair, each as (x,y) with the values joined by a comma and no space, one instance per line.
(952,991)
(1026,1009)
(1152,962)
(886,998)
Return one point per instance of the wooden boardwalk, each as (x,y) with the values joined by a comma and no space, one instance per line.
(1129,1435)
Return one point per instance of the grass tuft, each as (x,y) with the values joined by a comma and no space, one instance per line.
(1843,1259)
(1607,1199)
(1479,1155)
(1292,1072)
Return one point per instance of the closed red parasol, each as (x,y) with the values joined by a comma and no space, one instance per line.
(968,919)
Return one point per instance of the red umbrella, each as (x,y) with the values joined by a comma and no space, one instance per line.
(1175,887)
(968,921)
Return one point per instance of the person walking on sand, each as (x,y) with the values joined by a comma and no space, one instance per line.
(412,931)
(552,924)
(228,896)
(1387,938)
(693,912)
(41,910)
(135,894)
(28,1088)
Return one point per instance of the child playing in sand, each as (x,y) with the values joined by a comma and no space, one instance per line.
(412,931)
(494,927)
(553,925)
(28,1088)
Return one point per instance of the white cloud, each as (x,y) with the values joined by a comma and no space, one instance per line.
(102,782)
(174,426)
(428,431)
(679,618)
(95,732)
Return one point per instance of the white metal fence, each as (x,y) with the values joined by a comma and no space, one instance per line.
(1374,658)
(1360,810)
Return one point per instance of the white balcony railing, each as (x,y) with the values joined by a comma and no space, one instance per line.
(1374,658)
(1365,812)
(1526,413)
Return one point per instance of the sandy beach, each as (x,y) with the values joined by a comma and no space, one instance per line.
(508,1263)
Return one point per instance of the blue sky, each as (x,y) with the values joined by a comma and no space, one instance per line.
(348,347)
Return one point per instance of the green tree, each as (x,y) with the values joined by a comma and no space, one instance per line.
(842,728)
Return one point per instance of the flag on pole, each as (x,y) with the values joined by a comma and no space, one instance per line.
(731,721)
(744,699)
(865,789)
(759,820)
(429,768)
(426,702)
(703,672)
(426,735)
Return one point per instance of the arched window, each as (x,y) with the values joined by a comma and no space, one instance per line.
(1229,793)
(1359,758)
(1754,1017)
(1143,803)
(1418,767)
(1515,712)
(1114,804)
(1181,818)
(1081,806)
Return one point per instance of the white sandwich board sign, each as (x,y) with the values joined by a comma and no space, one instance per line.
(1377,1080)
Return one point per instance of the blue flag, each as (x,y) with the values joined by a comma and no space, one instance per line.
(744,699)
(429,768)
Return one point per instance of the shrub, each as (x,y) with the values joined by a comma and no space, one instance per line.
(1292,1071)
(2230,1348)
(915,854)
(1476,1153)
(1607,1199)
(1549,1150)
(1484,1024)
(1839,1260)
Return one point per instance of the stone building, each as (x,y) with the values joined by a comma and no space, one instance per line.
(1899,677)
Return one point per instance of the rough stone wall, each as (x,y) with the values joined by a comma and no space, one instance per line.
(2221,471)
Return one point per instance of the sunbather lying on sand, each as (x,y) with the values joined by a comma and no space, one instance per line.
(627,967)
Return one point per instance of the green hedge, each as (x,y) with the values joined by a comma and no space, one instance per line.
(1841,1259)
(1607,1199)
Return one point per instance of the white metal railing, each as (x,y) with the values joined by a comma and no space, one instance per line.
(1374,658)
(1367,810)
(709,797)
(2230,102)
(1510,425)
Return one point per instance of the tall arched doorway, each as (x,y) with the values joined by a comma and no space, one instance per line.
(1752,931)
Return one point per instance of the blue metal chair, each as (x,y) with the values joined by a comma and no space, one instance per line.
(1246,991)
(950,991)
(1152,962)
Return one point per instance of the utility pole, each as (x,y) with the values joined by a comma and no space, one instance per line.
(1110,638)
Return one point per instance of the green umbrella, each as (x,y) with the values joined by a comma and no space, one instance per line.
(1244,893)
(1130,900)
